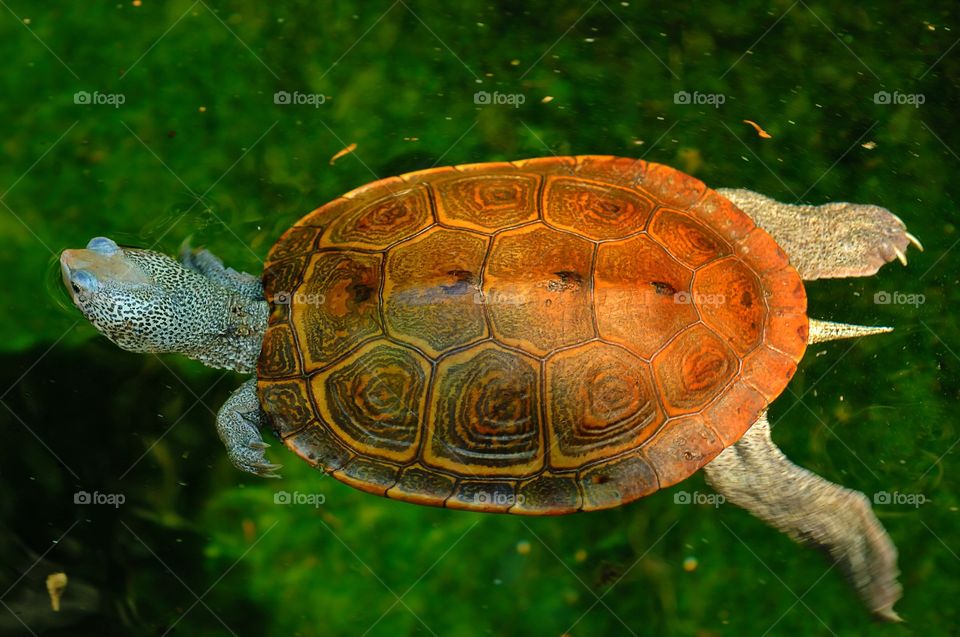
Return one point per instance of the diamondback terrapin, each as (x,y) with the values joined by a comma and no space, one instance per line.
(536,337)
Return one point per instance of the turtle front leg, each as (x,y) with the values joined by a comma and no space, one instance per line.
(211,266)
(238,423)
(829,241)
(754,474)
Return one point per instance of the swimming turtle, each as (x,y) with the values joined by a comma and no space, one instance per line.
(537,337)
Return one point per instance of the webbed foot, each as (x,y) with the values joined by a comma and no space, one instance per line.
(238,424)
(832,240)
(209,265)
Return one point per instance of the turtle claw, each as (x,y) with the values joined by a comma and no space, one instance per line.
(267,470)
(900,255)
(250,458)
(248,455)
(238,424)
(914,241)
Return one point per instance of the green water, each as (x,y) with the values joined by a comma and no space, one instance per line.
(199,148)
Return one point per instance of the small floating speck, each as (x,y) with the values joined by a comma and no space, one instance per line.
(690,564)
(760,132)
(56,583)
(869,145)
(523,547)
(340,153)
(547,99)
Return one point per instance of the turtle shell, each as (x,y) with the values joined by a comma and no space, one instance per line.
(539,337)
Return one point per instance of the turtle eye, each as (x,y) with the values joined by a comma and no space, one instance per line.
(81,280)
(103,245)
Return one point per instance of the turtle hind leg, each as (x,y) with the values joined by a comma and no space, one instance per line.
(238,424)
(755,475)
(829,241)
(209,265)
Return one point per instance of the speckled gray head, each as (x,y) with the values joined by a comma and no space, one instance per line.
(134,297)
(146,301)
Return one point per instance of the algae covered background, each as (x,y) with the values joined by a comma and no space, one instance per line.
(153,122)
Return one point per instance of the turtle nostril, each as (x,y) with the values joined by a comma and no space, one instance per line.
(103,245)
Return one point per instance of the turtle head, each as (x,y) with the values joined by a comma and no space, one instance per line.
(144,301)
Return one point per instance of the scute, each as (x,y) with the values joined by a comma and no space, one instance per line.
(432,290)
(537,289)
(692,369)
(642,295)
(601,401)
(731,302)
(688,240)
(485,414)
(487,202)
(538,337)
(594,209)
(336,307)
(384,221)
(374,399)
